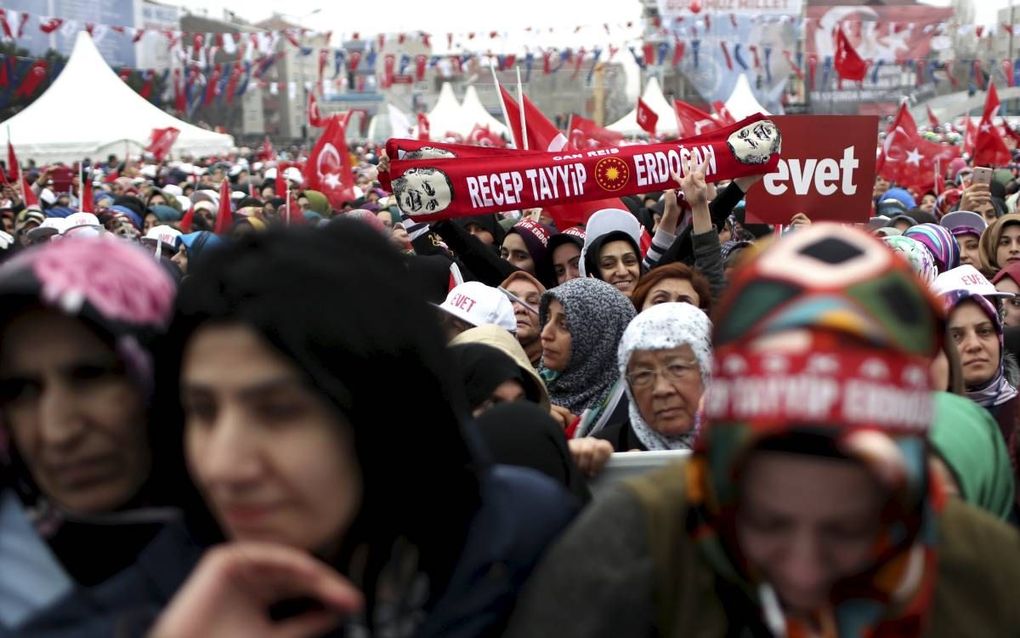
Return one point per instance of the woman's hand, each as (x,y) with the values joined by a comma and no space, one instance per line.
(384,163)
(590,454)
(800,219)
(975,196)
(234,585)
(698,193)
(562,415)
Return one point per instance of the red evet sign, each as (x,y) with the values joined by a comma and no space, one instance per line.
(826,171)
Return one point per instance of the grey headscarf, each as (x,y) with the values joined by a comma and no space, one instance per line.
(661,327)
(597,314)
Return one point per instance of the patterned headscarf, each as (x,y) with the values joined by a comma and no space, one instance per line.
(937,239)
(597,314)
(919,258)
(996,390)
(661,327)
(826,334)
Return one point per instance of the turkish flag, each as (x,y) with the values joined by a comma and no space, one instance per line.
(849,65)
(314,117)
(908,159)
(27,193)
(423,127)
(932,120)
(691,120)
(542,135)
(585,134)
(161,140)
(13,167)
(989,147)
(646,117)
(722,114)
(482,136)
(33,78)
(86,203)
(49,25)
(329,169)
(225,214)
(266,153)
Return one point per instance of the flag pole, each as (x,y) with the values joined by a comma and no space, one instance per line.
(502,105)
(81,186)
(520,104)
(287,204)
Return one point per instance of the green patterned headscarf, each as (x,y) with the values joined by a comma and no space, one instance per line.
(828,334)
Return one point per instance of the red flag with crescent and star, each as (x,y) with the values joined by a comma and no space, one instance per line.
(646,117)
(328,169)
(989,147)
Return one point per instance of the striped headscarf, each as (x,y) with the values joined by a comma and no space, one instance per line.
(828,335)
(996,390)
(940,242)
(919,257)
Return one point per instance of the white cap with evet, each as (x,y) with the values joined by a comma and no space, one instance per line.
(480,305)
(966,277)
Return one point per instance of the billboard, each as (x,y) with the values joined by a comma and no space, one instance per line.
(893,34)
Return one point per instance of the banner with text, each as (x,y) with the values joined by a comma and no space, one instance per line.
(435,182)
(827,177)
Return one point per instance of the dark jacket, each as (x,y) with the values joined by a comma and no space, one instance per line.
(522,513)
(621,436)
(126,604)
(628,567)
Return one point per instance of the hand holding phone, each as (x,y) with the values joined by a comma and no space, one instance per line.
(981,175)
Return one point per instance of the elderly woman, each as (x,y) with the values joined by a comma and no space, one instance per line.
(378,514)
(665,357)
(807,507)
(86,534)
(583,321)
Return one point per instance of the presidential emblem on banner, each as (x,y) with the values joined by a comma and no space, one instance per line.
(612,173)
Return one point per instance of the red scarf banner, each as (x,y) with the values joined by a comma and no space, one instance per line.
(439,181)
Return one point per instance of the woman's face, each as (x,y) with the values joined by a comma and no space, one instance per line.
(806,523)
(516,252)
(556,338)
(565,262)
(619,266)
(1011,305)
(274,461)
(672,290)
(75,417)
(970,249)
(1008,249)
(927,203)
(150,222)
(667,388)
(156,199)
(509,391)
(975,337)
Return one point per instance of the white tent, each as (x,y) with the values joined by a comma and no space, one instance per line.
(89,111)
(653,97)
(742,102)
(445,115)
(473,112)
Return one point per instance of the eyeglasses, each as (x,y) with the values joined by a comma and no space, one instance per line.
(676,371)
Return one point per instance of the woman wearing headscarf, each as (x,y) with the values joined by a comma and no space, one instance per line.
(583,321)
(274,362)
(974,325)
(807,508)
(491,377)
(1000,244)
(940,243)
(916,254)
(87,536)
(665,359)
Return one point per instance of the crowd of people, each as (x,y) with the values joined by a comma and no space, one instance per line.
(335,420)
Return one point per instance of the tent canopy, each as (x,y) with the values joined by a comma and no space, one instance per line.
(473,112)
(656,101)
(742,102)
(88,111)
(445,115)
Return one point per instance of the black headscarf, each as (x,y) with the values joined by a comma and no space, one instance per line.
(521,433)
(483,368)
(591,257)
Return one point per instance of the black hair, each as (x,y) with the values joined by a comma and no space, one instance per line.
(337,303)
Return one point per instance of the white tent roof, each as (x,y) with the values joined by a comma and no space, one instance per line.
(742,102)
(473,112)
(88,111)
(656,101)
(445,115)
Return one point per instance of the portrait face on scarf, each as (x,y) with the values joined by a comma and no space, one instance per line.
(423,191)
(977,339)
(75,418)
(263,448)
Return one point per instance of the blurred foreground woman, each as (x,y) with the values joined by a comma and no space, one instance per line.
(346,508)
(807,508)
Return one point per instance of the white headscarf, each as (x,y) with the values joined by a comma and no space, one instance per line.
(661,327)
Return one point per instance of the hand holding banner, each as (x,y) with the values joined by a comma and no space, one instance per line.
(439,181)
